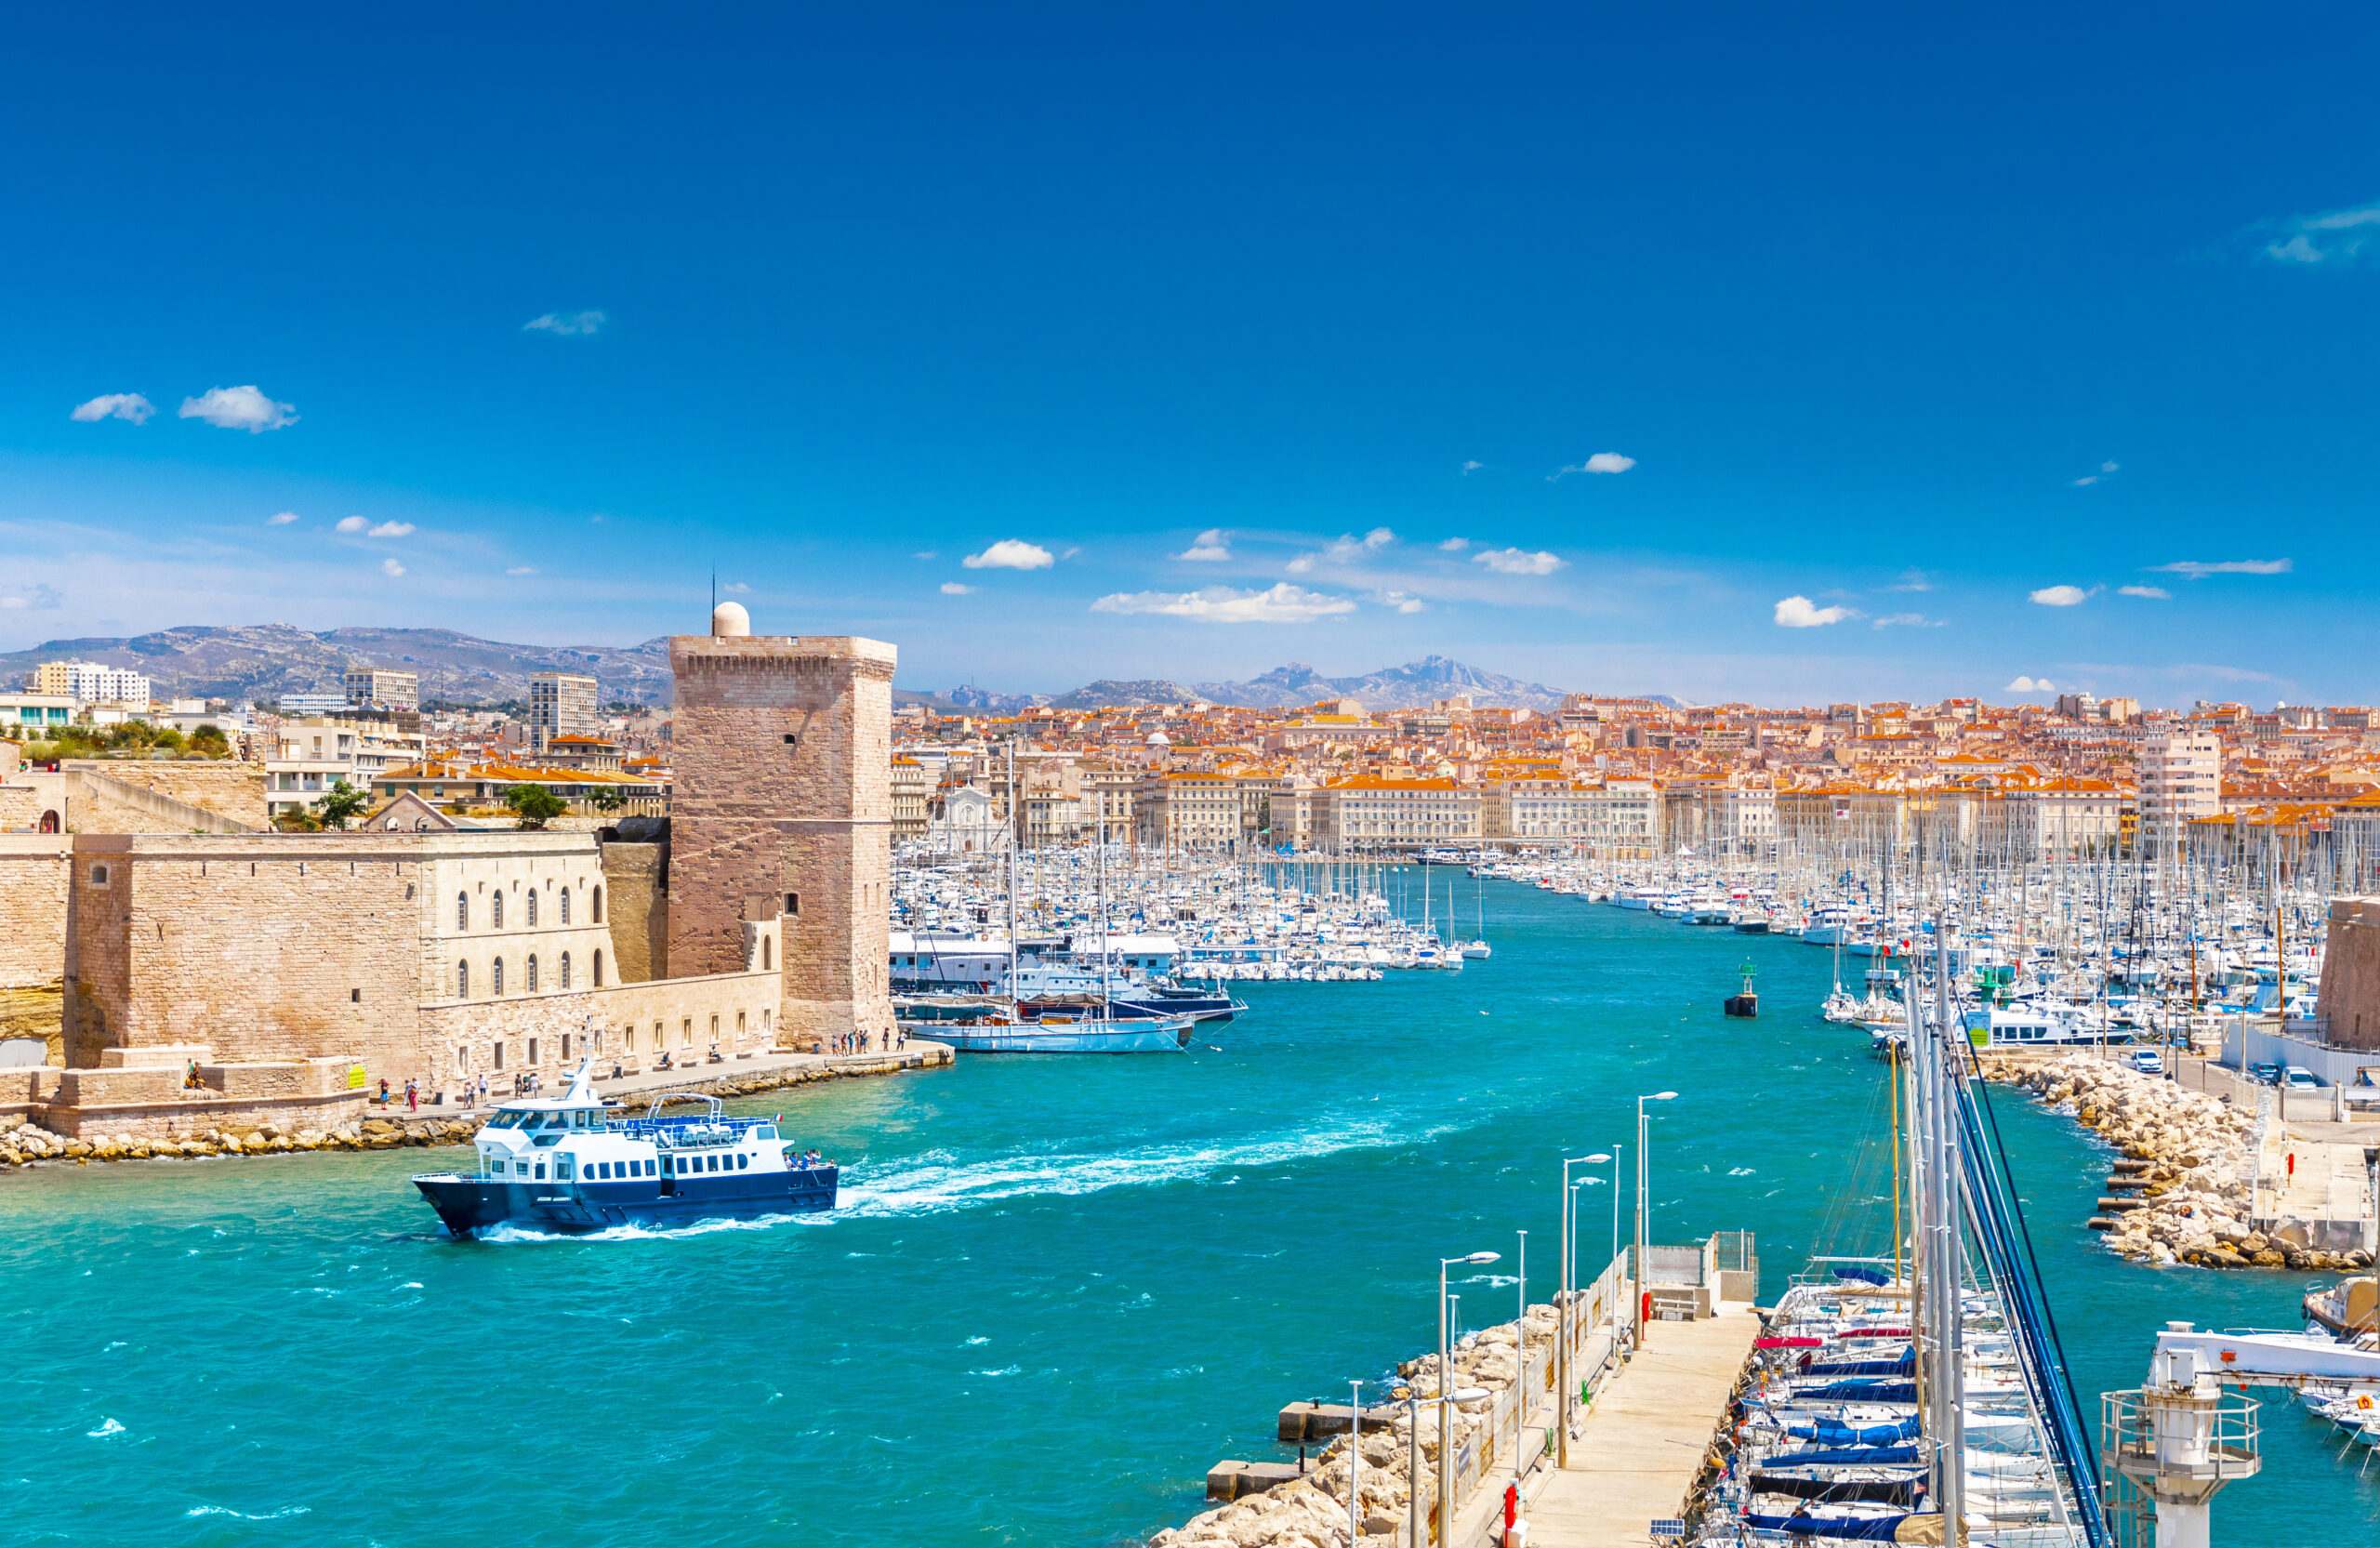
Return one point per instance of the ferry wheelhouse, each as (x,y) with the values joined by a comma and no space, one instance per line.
(569,1164)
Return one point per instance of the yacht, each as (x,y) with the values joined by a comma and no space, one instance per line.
(569,1164)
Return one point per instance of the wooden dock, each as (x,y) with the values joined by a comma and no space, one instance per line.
(1644,1441)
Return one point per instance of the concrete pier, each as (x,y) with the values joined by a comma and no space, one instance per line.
(1643,1441)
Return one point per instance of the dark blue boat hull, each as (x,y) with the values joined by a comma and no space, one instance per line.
(468,1204)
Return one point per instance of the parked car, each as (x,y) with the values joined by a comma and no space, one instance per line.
(2265,1074)
(2147,1061)
(2298,1078)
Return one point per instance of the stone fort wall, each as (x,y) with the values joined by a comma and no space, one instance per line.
(782,751)
(33,909)
(224,786)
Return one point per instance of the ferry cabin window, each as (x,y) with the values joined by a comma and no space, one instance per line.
(765,1131)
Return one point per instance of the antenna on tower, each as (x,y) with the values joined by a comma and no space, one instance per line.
(714,588)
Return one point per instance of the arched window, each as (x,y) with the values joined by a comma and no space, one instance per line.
(462,1060)
(599,906)
(599,968)
(462,910)
(565,905)
(565,970)
(533,908)
(462,980)
(530,985)
(496,912)
(495,976)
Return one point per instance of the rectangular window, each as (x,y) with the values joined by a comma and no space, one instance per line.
(541,1171)
(496,1058)
(533,1050)
(793,903)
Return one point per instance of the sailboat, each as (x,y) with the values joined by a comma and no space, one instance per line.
(1477,947)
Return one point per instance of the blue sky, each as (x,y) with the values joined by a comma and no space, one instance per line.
(1890,348)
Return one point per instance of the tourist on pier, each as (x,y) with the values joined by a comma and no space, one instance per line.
(413,1095)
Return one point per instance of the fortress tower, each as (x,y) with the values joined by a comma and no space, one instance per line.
(782,747)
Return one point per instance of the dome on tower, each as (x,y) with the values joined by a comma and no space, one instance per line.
(729,620)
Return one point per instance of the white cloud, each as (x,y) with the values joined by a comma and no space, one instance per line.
(2061,596)
(1602,462)
(37,597)
(1912,580)
(393,529)
(1471,467)
(1910,620)
(1519,562)
(567,325)
(239,408)
(1403,601)
(952,589)
(1283,603)
(2200,569)
(521,570)
(115,405)
(2089,479)
(2028,685)
(392,569)
(2155,593)
(1802,612)
(1454,544)
(2334,236)
(928,555)
(281,519)
(1213,546)
(1345,551)
(352,524)
(738,587)
(1011,553)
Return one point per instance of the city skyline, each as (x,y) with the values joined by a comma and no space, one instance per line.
(1785,363)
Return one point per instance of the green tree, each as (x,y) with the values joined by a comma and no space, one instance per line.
(341,805)
(606,798)
(208,741)
(535,804)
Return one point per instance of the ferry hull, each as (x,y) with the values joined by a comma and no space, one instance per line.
(468,1204)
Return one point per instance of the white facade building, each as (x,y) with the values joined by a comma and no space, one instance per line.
(91,683)
(2181,779)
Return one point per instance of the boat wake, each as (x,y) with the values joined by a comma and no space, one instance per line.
(507,1231)
(936,1183)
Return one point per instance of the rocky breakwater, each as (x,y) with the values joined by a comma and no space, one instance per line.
(24,1144)
(1311,1511)
(2181,1190)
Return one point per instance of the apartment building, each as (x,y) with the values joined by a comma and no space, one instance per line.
(2181,780)
(90,681)
(381,688)
(912,785)
(1373,814)
(1613,820)
(1194,811)
(562,704)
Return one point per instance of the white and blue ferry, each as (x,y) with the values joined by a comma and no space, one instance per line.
(567,1164)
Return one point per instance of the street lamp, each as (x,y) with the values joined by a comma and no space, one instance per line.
(1636,1279)
(1446,1410)
(1569,1294)
(1414,1453)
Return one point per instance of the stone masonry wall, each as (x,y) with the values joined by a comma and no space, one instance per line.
(782,750)
(33,909)
(260,947)
(637,908)
(224,786)
(2351,994)
(631,1024)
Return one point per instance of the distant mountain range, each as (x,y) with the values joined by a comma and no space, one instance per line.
(1415,682)
(264,661)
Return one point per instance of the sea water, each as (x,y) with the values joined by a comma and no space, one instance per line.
(1058,1289)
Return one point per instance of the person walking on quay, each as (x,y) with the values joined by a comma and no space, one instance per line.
(482,1089)
(413,1095)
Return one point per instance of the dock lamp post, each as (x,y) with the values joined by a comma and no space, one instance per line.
(1569,1294)
(1446,1404)
(1413,1453)
(1636,1275)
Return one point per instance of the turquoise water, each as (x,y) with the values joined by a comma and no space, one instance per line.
(1058,1291)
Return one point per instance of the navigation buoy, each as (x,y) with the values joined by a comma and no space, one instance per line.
(1746,1004)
